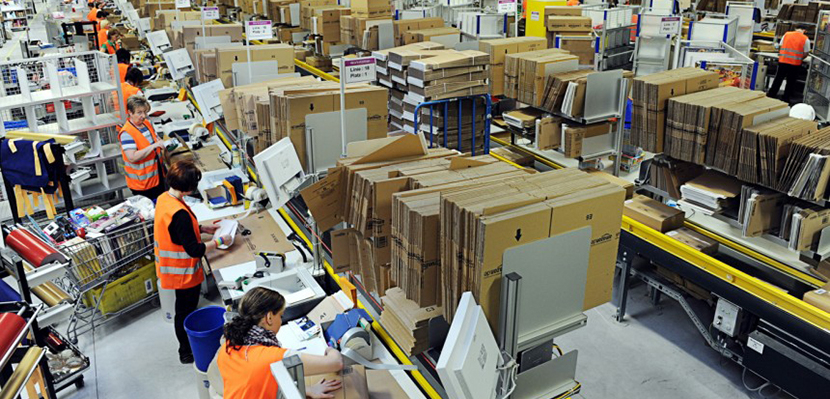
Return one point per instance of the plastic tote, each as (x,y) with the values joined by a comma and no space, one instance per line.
(204,328)
(202,383)
(167,298)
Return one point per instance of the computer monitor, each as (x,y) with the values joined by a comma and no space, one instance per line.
(468,365)
(280,171)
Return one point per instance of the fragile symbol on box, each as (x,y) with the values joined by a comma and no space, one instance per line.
(258,30)
(356,70)
(209,13)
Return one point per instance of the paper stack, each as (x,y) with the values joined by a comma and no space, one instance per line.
(710,192)
(766,146)
(806,170)
(407,323)
(526,73)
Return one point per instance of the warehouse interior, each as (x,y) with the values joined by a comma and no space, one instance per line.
(391,199)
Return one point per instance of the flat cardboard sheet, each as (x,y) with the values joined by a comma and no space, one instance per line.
(265,236)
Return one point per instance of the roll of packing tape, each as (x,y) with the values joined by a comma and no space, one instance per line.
(22,372)
(51,294)
(254,193)
(197,131)
(32,249)
(10,327)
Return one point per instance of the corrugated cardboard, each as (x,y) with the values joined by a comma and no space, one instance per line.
(695,240)
(424,35)
(654,214)
(498,48)
(405,26)
(371,8)
(558,23)
(353,378)
(819,298)
(283,54)
(549,133)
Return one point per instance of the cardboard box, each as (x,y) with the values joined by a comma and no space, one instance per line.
(557,23)
(188,34)
(819,298)
(165,18)
(225,58)
(498,49)
(130,42)
(442,35)
(624,184)
(371,8)
(563,11)
(695,240)
(549,133)
(404,26)
(654,214)
(353,382)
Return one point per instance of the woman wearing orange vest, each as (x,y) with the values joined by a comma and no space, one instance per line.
(130,87)
(251,346)
(111,45)
(179,247)
(795,46)
(141,151)
(123,57)
(104,28)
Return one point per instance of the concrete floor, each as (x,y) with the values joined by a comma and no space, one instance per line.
(655,353)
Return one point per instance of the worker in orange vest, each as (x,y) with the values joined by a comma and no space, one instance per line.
(179,246)
(251,346)
(573,2)
(794,47)
(111,45)
(93,12)
(103,29)
(141,150)
(122,56)
(131,86)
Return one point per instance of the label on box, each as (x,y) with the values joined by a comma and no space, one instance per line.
(356,70)
(209,13)
(182,3)
(670,25)
(534,15)
(755,345)
(507,5)
(258,30)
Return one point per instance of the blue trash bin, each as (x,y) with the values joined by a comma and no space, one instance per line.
(204,329)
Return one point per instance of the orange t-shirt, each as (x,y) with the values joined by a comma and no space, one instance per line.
(102,36)
(246,373)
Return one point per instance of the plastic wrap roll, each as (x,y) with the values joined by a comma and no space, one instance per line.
(33,249)
(21,372)
(50,294)
(10,327)
(7,293)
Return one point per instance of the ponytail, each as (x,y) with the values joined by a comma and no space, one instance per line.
(253,307)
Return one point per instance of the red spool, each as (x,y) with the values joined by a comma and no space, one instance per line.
(10,327)
(31,248)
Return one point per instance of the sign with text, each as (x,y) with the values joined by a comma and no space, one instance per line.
(670,25)
(182,3)
(356,70)
(507,6)
(209,13)
(258,30)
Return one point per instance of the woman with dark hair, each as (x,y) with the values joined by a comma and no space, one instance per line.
(251,347)
(179,247)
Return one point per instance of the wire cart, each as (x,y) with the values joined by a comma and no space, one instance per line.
(109,261)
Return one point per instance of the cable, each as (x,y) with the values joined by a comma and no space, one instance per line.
(757,389)
(571,392)
(558,349)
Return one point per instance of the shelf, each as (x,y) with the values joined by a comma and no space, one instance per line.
(117,182)
(8,355)
(46,96)
(100,158)
(80,125)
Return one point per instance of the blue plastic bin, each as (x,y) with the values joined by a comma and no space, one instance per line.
(204,329)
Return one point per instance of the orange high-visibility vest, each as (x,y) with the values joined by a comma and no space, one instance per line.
(102,36)
(110,47)
(143,175)
(128,91)
(792,48)
(93,15)
(175,269)
(573,2)
(247,372)
(122,71)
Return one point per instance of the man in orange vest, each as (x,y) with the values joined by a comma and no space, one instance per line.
(179,246)
(794,47)
(141,151)
(93,13)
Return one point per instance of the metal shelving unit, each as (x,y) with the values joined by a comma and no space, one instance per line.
(613,46)
(817,86)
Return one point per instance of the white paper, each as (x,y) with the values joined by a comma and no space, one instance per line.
(226,227)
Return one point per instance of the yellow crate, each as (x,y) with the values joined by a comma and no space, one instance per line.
(126,290)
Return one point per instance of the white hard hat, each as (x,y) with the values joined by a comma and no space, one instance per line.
(803,111)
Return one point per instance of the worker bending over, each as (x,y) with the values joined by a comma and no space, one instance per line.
(251,346)
(794,47)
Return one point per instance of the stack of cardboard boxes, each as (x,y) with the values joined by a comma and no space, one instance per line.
(498,49)
(325,21)
(354,27)
(164,18)
(371,8)
(568,21)
(406,322)
(526,73)
(650,95)
(404,26)
(225,58)
(280,12)
(477,227)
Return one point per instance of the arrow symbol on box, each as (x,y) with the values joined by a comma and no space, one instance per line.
(518,234)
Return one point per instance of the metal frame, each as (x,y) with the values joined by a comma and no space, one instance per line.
(446,104)
(818,94)
(748,67)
